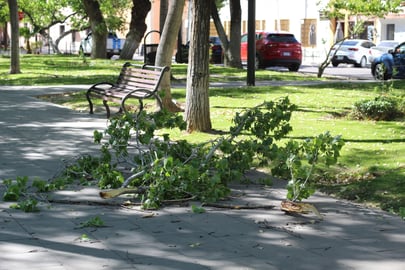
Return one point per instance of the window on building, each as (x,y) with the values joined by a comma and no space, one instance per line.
(75,36)
(308,33)
(390,31)
(61,29)
(282,25)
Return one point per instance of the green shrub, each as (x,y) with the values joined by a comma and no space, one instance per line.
(380,108)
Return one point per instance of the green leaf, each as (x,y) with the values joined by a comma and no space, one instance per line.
(197,209)
(93,222)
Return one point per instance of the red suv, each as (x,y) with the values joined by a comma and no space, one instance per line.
(274,49)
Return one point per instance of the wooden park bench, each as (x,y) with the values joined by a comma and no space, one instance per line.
(135,81)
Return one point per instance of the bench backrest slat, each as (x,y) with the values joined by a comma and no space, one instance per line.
(134,76)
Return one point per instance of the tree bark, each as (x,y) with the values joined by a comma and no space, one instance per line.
(164,9)
(166,47)
(137,28)
(15,36)
(98,28)
(231,46)
(197,111)
(233,54)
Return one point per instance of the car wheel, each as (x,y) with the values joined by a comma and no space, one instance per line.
(335,64)
(258,63)
(380,72)
(294,68)
(363,62)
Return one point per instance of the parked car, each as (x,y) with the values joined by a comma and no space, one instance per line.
(383,47)
(351,51)
(274,49)
(216,53)
(114,44)
(390,65)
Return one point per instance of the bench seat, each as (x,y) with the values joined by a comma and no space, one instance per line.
(135,81)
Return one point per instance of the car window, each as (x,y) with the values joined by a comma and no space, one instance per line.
(350,43)
(370,44)
(215,40)
(288,38)
(401,49)
(244,38)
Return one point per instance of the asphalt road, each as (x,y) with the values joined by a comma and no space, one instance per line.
(342,70)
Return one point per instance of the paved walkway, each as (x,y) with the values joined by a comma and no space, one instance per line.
(35,137)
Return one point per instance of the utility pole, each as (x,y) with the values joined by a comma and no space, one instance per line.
(251,42)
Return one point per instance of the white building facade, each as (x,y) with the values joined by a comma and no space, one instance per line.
(316,33)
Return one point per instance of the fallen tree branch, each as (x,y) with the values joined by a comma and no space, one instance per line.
(238,206)
(108,194)
(299,207)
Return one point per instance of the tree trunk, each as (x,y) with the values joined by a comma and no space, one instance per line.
(15,36)
(166,47)
(5,36)
(137,28)
(98,28)
(164,9)
(233,54)
(220,30)
(197,111)
(55,45)
(47,37)
(231,46)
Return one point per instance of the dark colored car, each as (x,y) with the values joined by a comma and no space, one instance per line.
(390,65)
(274,49)
(216,53)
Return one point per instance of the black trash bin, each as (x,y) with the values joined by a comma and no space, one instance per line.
(149,56)
(150,53)
(182,53)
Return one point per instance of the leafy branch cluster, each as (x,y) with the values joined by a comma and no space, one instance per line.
(16,190)
(136,153)
(299,159)
(178,169)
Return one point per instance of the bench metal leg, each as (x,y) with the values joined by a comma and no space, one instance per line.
(159,101)
(107,108)
(90,103)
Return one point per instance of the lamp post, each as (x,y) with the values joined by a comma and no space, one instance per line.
(251,42)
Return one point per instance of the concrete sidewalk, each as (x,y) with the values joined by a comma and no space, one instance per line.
(36,136)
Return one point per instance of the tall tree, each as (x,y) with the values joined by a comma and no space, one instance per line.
(166,47)
(378,8)
(43,14)
(197,111)
(137,28)
(102,16)
(98,28)
(15,36)
(359,8)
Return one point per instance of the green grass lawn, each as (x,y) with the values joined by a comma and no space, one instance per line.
(371,168)
(56,69)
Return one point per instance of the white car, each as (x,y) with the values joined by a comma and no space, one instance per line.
(352,51)
(383,47)
(114,44)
